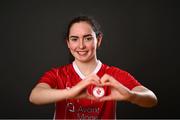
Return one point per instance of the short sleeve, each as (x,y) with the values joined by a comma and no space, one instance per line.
(123,77)
(49,77)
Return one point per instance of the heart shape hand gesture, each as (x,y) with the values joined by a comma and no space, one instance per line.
(118,91)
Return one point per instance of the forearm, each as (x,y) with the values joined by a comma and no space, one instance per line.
(145,98)
(42,95)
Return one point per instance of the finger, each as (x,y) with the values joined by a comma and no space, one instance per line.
(93,83)
(93,78)
(105,78)
(118,86)
(111,84)
(108,84)
(96,78)
(106,98)
(91,97)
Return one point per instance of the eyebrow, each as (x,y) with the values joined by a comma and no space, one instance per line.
(78,37)
(73,37)
(87,35)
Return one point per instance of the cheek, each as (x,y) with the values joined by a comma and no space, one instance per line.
(72,46)
(92,46)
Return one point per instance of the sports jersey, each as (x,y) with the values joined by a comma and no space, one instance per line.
(67,76)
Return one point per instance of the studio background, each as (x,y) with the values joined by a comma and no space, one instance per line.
(141,37)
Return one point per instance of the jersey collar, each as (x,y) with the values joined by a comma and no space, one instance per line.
(98,67)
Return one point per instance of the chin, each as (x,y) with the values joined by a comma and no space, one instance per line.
(83,59)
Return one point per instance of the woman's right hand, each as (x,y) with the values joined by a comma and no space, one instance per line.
(79,90)
(42,93)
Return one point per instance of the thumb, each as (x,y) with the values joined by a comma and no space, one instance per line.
(105,78)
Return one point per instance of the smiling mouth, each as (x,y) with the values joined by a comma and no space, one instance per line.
(82,52)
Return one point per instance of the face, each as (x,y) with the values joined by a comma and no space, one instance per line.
(82,42)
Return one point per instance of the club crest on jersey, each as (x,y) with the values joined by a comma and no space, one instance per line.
(98,91)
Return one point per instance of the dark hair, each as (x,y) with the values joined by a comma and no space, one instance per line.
(82,18)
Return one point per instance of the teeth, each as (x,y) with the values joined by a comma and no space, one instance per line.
(82,53)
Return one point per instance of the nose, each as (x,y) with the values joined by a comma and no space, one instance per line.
(81,44)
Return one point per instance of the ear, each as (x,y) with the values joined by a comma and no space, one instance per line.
(99,40)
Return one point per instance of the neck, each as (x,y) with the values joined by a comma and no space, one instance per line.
(86,68)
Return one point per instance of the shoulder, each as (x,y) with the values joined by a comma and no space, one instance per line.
(123,77)
(115,70)
(118,72)
(64,67)
(60,69)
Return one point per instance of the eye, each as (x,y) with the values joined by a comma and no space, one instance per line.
(73,39)
(88,38)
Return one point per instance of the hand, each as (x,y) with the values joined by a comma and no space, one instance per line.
(79,90)
(118,91)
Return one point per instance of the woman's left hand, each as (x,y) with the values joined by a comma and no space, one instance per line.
(139,95)
(118,91)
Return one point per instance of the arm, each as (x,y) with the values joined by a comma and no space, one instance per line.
(138,95)
(44,94)
(142,96)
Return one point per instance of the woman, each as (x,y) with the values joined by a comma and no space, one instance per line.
(87,88)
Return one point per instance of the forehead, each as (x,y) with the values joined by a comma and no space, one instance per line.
(81,28)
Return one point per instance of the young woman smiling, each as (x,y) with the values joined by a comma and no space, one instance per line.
(87,88)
